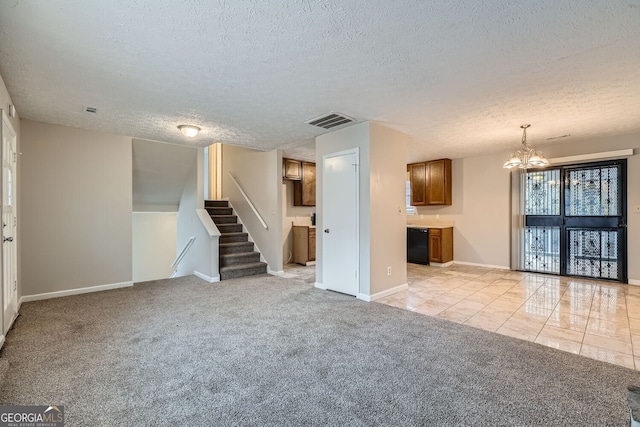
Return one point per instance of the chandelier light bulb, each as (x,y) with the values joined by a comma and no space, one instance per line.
(526,157)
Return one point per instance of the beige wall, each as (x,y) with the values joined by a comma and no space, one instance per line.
(260,175)
(481,202)
(76,208)
(153,245)
(479,211)
(388,154)
(382,173)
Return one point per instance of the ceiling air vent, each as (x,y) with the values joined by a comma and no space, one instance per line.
(331,120)
(91,110)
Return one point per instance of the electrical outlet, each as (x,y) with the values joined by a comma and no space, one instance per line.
(389,271)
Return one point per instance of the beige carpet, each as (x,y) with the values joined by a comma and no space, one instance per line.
(275,351)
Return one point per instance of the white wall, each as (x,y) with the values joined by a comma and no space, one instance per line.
(260,175)
(76,208)
(382,175)
(356,136)
(202,257)
(153,245)
(159,173)
(481,201)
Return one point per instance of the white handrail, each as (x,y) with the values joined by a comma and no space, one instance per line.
(183,252)
(255,211)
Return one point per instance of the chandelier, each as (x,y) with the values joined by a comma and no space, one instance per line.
(526,157)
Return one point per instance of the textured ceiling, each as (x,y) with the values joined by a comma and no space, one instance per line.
(459,77)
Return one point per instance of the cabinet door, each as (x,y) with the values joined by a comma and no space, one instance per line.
(308,184)
(435,245)
(304,191)
(418,180)
(291,169)
(312,244)
(438,182)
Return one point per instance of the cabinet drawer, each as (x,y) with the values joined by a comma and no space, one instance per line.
(435,231)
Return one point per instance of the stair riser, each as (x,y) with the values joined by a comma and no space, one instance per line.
(230,228)
(216,203)
(224,275)
(230,239)
(220,211)
(237,259)
(224,219)
(236,249)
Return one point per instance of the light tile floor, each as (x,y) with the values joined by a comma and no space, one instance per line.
(596,319)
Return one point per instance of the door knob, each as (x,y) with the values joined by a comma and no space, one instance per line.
(8,239)
(326,230)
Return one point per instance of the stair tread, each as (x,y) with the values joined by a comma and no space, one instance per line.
(236,243)
(233,233)
(239,254)
(243,266)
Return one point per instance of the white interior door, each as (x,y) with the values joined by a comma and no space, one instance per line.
(9,225)
(340,222)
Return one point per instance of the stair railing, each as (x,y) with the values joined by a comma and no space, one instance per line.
(246,198)
(181,255)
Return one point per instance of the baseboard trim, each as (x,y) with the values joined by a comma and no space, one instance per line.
(320,286)
(275,273)
(1,340)
(635,282)
(383,294)
(207,278)
(77,291)
(441,264)
(476,264)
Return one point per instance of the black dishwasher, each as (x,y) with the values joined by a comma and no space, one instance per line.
(418,245)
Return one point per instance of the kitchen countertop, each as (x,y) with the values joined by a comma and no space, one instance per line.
(428,226)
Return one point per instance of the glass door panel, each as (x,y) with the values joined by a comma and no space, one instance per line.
(579,228)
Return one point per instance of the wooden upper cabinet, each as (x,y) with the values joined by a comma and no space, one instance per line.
(439,182)
(304,191)
(430,182)
(291,169)
(418,180)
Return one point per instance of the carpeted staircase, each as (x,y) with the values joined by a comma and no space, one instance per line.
(237,255)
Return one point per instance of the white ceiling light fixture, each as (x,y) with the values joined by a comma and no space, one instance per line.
(189,130)
(526,157)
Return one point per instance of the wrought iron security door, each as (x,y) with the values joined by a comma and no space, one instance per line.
(576,221)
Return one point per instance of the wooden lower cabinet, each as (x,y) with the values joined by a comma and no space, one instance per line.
(304,244)
(441,245)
